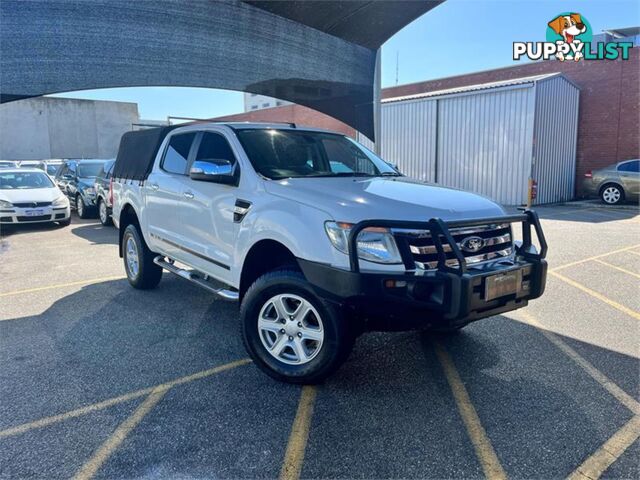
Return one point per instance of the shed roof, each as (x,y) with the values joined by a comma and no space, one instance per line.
(482,86)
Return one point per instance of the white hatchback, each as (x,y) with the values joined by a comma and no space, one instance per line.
(28,195)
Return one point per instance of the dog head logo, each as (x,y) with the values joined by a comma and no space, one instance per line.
(569,28)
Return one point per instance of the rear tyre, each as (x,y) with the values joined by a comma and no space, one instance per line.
(612,194)
(292,334)
(81,209)
(142,273)
(103,213)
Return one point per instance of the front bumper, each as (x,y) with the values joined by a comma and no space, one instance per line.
(45,214)
(442,298)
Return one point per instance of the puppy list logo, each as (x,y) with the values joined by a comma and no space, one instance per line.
(569,37)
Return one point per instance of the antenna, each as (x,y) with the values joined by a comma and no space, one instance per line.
(397,64)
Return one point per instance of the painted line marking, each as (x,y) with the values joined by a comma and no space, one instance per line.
(484,450)
(610,451)
(599,296)
(294,455)
(91,467)
(633,251)
(578,262)
(623,270)
(623,397)
(62,285)
(43,422)
(594,466)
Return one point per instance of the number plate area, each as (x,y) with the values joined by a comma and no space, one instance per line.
(502,284)
(34,213)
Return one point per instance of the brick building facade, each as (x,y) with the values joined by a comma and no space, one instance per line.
(609,112)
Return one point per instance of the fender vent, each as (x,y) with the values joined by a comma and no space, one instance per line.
(240,210)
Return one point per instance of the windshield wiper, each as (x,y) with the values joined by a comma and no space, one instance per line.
(390,174)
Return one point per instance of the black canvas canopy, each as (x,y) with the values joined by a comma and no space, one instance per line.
(138,151)
(320,54)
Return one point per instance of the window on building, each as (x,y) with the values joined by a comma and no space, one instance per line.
(175,158)
(265,105)
(254,107)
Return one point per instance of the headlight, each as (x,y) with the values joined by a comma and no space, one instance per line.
(61,201)
(89,190)
(5,204)
(374,244)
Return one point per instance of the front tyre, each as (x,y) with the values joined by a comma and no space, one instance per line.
(292,334)
(103,213)
(81,209)
(142,273)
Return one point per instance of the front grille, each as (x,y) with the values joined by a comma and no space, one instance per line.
(6,219)
(491,241)
(32,204)
(34,219)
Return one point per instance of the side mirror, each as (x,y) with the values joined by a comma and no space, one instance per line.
(67,176)
(213,170)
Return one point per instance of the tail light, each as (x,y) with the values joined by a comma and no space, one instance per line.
(111,191)
(589,174)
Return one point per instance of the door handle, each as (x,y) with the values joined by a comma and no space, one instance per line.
(154,186)
(188,195)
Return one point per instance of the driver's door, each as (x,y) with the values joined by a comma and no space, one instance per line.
(205,211)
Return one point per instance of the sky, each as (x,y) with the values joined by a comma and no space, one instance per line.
(456,37)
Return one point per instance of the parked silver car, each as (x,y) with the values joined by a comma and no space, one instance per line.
(615,183)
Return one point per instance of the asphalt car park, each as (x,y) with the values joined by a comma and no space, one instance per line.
(100,380)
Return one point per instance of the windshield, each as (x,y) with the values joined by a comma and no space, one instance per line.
(20,180)
(52,168)
(280,154)
(89,170)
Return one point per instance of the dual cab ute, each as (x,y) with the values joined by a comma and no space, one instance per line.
(316,237)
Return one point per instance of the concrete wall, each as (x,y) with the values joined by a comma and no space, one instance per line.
(48,127)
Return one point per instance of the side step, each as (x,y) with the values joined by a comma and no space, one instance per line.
(193,277)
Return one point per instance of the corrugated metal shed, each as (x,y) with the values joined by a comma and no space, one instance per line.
(489,138)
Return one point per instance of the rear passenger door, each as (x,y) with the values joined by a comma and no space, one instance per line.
(163,194)
(630,175)
(206,211)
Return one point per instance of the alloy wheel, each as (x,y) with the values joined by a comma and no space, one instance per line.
(290,329)
(103,212)
(133,262)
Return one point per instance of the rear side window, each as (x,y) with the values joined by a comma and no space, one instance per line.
(630,166)
(214,146)
(177,154)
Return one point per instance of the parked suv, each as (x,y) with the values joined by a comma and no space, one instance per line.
(614,184)
(75,178)
(102,187)
(316,237)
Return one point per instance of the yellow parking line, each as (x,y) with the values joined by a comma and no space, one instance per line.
(594,466)
(619,394)
(43,422)
(89,469)
(578,262)
(623,270)
(61,285)
(599,296)
(294,455)
(484,450)
(607,454)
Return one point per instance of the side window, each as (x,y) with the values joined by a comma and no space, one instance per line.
(630,167)
(110,171)
(214,146)
(71,169)
(61,171)
(177,154)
